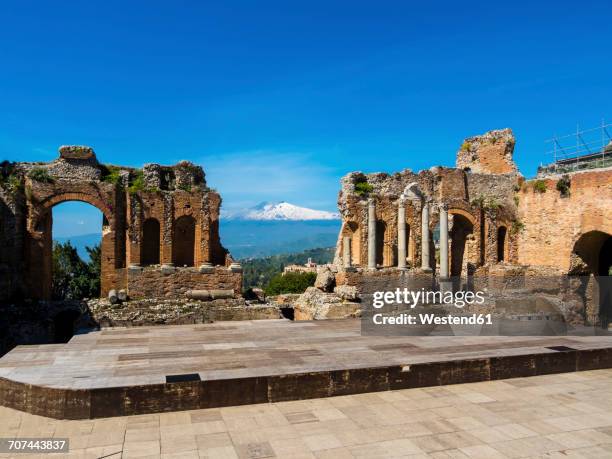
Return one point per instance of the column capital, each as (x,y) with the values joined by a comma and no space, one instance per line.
(443,206)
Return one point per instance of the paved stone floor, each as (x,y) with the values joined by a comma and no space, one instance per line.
(224,350)
(557,416)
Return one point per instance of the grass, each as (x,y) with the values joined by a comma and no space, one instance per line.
(40,175)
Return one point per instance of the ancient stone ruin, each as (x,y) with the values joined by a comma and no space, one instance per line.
(486,219)
(160,230)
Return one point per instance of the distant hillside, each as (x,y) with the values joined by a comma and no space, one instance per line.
(259,271)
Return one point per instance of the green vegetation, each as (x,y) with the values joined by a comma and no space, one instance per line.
(40,175)
(516,200)
(73,279)
(563,186)
(486,202)
(539,186)
(258,272)
(137,182)
(362,187)
(465,146)
(290,283)
(9,180)
(517,227)
(111,174)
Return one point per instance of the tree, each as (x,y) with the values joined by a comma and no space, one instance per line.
(296,282)
(73,279)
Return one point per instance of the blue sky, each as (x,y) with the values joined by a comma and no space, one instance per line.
(278,100)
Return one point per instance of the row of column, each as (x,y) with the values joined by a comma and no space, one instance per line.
(401,239)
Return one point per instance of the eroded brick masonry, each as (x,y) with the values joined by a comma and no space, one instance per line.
(485,218)
(160,229)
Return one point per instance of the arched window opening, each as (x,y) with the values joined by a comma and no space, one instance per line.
(150,242)
(501,243)
(183,242)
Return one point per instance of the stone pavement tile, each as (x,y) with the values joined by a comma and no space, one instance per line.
(391,448)
(209,427)
(170,419)
(527,447)
(515,431)
(322,441)
(477,397)
(456,440)
(336,453)
(489,435)
(221,452)
(110,452)
(413,429)
(482,452)
(467,423)
(240,437)
(109,424)
(215,440)
(105,438)
(429,443)
(301,417)
(178,443)
(240,423)
(181,455)
(293,448)
(144,421)
(149,448)
(541,427)
(70,428)
(151,433)
(205,415)
(328,414)
(439,426)
(448,454)
(581,438)
(255,450)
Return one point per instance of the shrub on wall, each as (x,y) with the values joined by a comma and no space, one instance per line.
(40,175)
(539,186)
(563,186)
(290,283)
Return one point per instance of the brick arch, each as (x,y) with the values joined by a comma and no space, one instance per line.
(40,241)
(59,198)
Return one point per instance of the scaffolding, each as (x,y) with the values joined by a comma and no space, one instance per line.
(585,149)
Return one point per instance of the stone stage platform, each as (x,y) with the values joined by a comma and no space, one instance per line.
(127,371)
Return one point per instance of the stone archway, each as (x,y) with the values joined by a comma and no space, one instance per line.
(183,249)
(460,236)
(592,256)
(150,242)
(39,251)
(502,243)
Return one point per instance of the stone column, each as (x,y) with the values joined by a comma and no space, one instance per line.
(425,266)
(346,252)
(443,242)
(371,234)
(401,234)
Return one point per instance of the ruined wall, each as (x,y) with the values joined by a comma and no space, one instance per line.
(157,215)
(159,282)
(551,223)
(490,153)
(12,223)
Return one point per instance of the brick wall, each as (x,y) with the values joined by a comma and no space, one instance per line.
(155,282)
(553,224)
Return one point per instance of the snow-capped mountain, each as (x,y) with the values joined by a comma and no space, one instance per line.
(267,211)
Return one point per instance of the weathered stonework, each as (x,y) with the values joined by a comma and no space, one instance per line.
(498,225)
(158,218)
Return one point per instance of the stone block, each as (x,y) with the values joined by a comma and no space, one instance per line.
(76,152)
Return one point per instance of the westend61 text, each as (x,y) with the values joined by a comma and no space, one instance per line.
(432,319)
